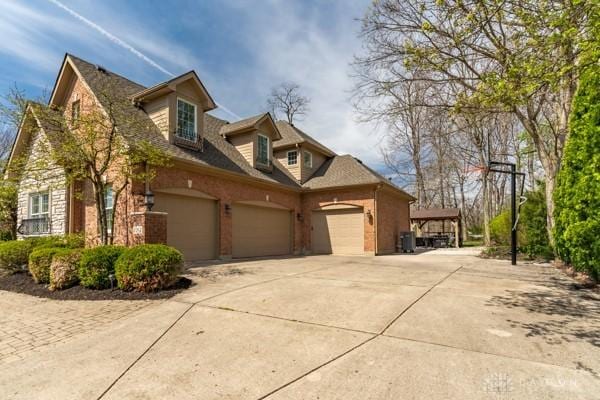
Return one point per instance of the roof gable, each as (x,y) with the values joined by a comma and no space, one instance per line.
(263,122)
(171,86)
(292,136)
(31,121)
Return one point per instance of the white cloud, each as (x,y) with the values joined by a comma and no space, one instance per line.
(285,40)
(290,45)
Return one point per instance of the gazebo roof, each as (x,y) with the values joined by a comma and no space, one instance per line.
(435,214)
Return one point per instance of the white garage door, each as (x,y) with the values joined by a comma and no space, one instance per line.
(340,231)
(191,225)
(260,231)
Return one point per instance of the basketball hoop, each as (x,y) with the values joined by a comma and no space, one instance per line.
(478,169)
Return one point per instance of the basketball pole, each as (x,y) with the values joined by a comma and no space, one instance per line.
(513,202)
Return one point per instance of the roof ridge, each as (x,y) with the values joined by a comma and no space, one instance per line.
(96,65)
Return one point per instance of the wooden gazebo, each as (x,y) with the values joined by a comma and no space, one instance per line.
(432,222)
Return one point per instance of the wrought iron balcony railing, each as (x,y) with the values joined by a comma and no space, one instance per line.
(34,226)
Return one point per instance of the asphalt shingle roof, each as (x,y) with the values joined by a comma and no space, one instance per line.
(435,213)
(217,151)
(337,171)
(241,124)
(290,135)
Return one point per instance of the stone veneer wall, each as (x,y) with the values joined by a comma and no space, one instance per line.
(52,180)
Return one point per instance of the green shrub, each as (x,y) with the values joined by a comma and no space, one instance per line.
(148,267)
(577,194)
(71,241)
(14,255)
(63,269)
(500,228)
(532,236)
(39,263)
(97,264)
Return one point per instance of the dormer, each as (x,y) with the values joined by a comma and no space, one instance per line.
(299,153)
(253,137)
(177,108)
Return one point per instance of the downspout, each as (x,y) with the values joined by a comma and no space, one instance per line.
(70,209)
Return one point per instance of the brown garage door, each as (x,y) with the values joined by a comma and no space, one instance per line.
(191,225)
(260,231)
(338,231)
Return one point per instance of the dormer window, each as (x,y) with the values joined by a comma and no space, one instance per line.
(292,157)
(75,110)
(186,121)
(308,159)
(263,150)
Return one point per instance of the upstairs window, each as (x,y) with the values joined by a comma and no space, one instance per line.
(108,206)
(186,120)
(39,205)
(308,159)
(292,157)
(75,110)
(263,150)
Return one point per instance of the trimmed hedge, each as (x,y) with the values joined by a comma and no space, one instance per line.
(71,241)
(577,194)
(148,267)
(14,255)
(39,263)
(97,264)
(63,269)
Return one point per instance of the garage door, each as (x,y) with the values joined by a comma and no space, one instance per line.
(191,225)
(338,231)
(260,231)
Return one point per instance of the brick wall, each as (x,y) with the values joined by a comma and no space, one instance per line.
(148,227)
(228,191)
(393,218)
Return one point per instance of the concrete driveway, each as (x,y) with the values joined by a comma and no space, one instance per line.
(439,325)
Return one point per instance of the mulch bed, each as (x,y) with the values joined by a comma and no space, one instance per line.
(23,283)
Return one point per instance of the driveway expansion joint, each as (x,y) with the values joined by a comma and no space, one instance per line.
(381,333)
(288,319)
(145,352)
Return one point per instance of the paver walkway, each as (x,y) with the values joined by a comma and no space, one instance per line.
(29,324)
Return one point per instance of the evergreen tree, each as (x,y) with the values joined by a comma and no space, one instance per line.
(578,192)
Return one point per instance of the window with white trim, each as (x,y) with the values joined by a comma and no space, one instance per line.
(263,150)
(39,204)
(308,159)
(108,206)
(292,157)
(186,120)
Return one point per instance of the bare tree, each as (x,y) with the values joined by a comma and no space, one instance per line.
(406,144)
(522,57)
(286,99)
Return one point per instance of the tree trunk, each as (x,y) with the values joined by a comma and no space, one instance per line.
(101,211)
(487,237)
(463,211)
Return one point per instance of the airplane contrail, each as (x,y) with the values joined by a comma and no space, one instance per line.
(125,45)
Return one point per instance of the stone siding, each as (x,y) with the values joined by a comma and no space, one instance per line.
(52,180)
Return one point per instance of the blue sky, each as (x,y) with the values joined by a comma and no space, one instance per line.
(239,48)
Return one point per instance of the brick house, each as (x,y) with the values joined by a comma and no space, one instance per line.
(249,188)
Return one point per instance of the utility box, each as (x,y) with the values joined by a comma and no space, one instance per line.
(407,242)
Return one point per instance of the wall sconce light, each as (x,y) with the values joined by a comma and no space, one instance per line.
(149,200)
(227,209)
(300,217)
